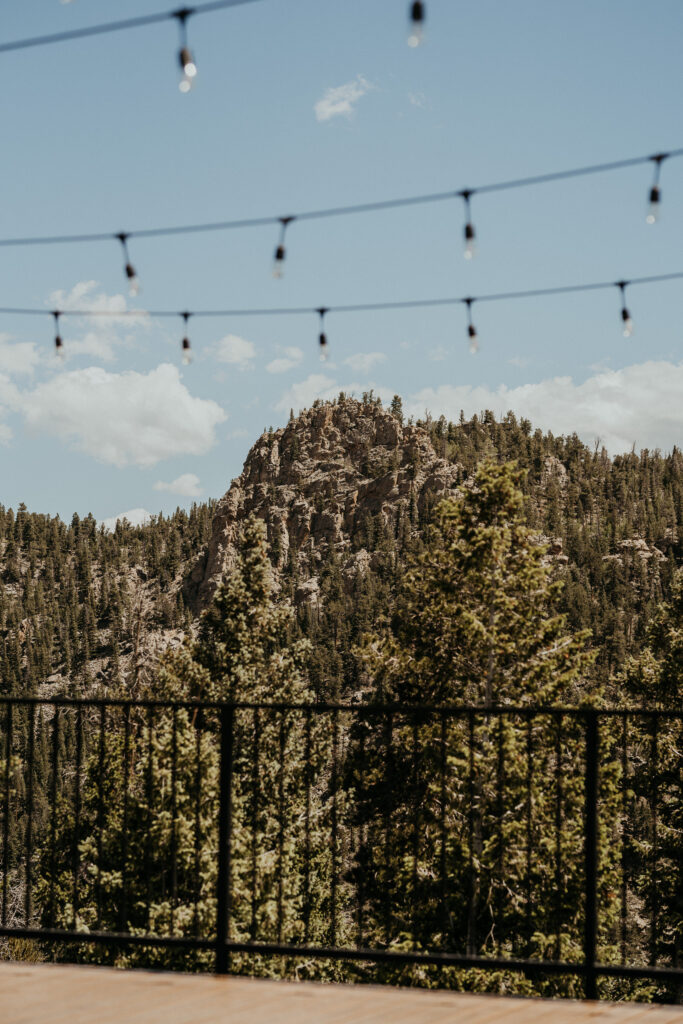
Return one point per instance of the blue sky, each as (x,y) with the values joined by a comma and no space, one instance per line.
(96,136)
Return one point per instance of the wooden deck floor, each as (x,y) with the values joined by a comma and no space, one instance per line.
(51,994)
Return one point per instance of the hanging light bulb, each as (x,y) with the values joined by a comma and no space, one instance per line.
(655,191)
(185,58)
(417,20)
(322,337)
(280,251)
(625,315)
(469,232)
(59,344)
(129,269)
(471,329)
(185,345)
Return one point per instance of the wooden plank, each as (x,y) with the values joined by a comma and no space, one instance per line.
(56,994)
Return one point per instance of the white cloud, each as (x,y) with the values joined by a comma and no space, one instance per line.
(17,357)
(135,517)
(417,99)
(186,485)
(362,362)
(291,358)
(639,404)
(102,332)
(339,100)
(235,350)
(319,385)
(303,394)
(123,418)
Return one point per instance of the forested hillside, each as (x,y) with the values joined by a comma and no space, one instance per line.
(346,491)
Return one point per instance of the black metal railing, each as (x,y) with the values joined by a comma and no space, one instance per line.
(545,841)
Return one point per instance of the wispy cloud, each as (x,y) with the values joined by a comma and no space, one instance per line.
(19,357)
(134,516)
(97,335)
(236,351)
(340,100)
(288,361)
(362,362)
(186,485)
(638,405)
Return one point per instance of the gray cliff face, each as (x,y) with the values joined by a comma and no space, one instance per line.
(315,482)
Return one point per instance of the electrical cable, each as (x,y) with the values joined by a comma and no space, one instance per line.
(338,211)
(359,307)
(118,26)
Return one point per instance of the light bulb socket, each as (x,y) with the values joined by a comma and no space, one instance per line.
(130,271)
(469,232)
(59,344)
(655,195)
(280,254)
(417,12)
(471,331)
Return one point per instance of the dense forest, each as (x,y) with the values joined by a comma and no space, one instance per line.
(552,576)
(83,606)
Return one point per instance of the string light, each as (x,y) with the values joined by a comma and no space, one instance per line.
(322,337)
(59,344)
(185,347)
(280,251)
(470,236)
(471,329)
(417,20)
(361,307)
(625,315)
(185,58)
(129,269)
(337,211)
(655,191)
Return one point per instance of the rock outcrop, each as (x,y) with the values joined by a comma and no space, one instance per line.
(316,482)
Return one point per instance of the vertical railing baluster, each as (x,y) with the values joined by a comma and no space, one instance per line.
(100,813)
(416,828)
(529,829)
(591,854)
(148,816)
(224,894)
(281,826)
(124,827)
(174,816)
(53,814)
(654,795)
(388,802)
(335,855)
(75,849)
(442,808)
(6,810)
(307,828)
(28,895)
(255,782)
(559,799)
(199,725)
(471,901)
(361,856)
(624,832)
(500,783)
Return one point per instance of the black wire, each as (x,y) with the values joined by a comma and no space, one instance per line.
(355,307)
(117,26)
(337,211)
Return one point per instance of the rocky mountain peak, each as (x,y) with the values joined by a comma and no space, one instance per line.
(317,481)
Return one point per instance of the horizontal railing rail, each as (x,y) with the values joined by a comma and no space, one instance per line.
(536,840)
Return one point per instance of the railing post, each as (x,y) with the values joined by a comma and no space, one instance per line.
(591,854)
(227,720)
